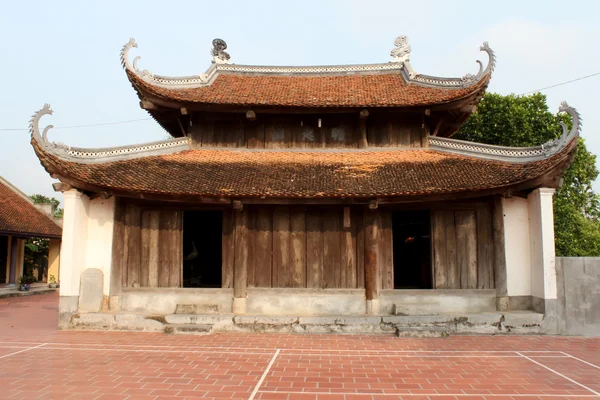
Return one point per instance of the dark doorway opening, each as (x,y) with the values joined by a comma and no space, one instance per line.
(3,258)
(412,250)
(202,242)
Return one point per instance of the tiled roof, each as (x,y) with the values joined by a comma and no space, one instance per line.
(301,173)
(19,216)
(361,90)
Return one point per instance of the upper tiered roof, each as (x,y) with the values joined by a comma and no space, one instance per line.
(228,86)
(391,84)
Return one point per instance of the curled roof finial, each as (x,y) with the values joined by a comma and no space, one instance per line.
(470,79)
(34,127)
(577,122)
(401,52)
(220,56)
(125,55)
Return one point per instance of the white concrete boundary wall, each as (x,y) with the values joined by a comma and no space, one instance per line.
(73,249)
(517,247)
(100,227)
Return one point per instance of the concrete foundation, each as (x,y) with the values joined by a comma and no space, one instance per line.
(165,300)
(436,302)
(306,301)
(406,326)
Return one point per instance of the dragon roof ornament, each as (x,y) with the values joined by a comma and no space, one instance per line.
(108,154)
(515,154)
(220,63)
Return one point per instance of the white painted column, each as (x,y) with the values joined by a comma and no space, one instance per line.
(73,249)
(543,259)
(517,247)
(100,227)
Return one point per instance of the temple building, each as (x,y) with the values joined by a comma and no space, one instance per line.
(307,191)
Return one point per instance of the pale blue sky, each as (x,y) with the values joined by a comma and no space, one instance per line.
(66,53)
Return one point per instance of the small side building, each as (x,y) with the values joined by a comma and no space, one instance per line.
(20,219)
(313,190)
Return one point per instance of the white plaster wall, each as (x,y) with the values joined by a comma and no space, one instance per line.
(100,226)
(73,249)
(543,260)
(517,246)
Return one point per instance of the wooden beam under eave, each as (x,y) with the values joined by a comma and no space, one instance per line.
(148,105)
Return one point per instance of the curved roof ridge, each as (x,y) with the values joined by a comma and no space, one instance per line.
(400,64)
(99,155)
(514,154)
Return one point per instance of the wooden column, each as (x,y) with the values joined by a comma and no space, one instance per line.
(372,273)
(362,124)
(240,262)
(502,301)
(14,254)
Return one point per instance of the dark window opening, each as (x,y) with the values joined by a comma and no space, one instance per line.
(202,241)
(412,250)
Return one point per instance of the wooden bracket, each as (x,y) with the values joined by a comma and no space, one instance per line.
(373,204)
(61,187)
(147,105)
(251,115)
(237,205)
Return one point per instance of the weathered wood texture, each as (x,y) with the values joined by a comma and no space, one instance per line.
(240,259)
(463,247)
(304,247)
(304,131)
(402,130)
(499,272)
(147,246)
(372,227)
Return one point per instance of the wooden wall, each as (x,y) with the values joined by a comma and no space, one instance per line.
(300,247)
(302,131)
(463,247)
(147,245)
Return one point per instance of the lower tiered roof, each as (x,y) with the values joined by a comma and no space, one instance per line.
(173,169)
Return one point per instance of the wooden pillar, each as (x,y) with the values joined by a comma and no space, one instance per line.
(14,254)
(500,277)
(362,124)
(372,273)
(240,262)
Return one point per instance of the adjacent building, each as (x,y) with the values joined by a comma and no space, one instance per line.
(21,219)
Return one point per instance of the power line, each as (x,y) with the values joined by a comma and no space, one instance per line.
(146,119)
(84,126)
(560,84)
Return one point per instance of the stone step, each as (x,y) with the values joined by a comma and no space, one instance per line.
(198,309)
(524,322)
(188,329)
(422,332)
(195,319)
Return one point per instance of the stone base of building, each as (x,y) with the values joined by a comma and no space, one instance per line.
(406,326)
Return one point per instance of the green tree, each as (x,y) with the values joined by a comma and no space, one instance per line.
(526,121)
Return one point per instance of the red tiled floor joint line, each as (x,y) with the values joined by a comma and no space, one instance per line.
(39,362)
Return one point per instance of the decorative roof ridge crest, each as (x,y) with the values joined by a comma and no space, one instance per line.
(106,154)
(400,62)
(515,154)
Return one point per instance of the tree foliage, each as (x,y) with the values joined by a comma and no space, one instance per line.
(41,199)
(526,121)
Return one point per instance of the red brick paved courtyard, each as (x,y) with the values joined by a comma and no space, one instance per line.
(39,362)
